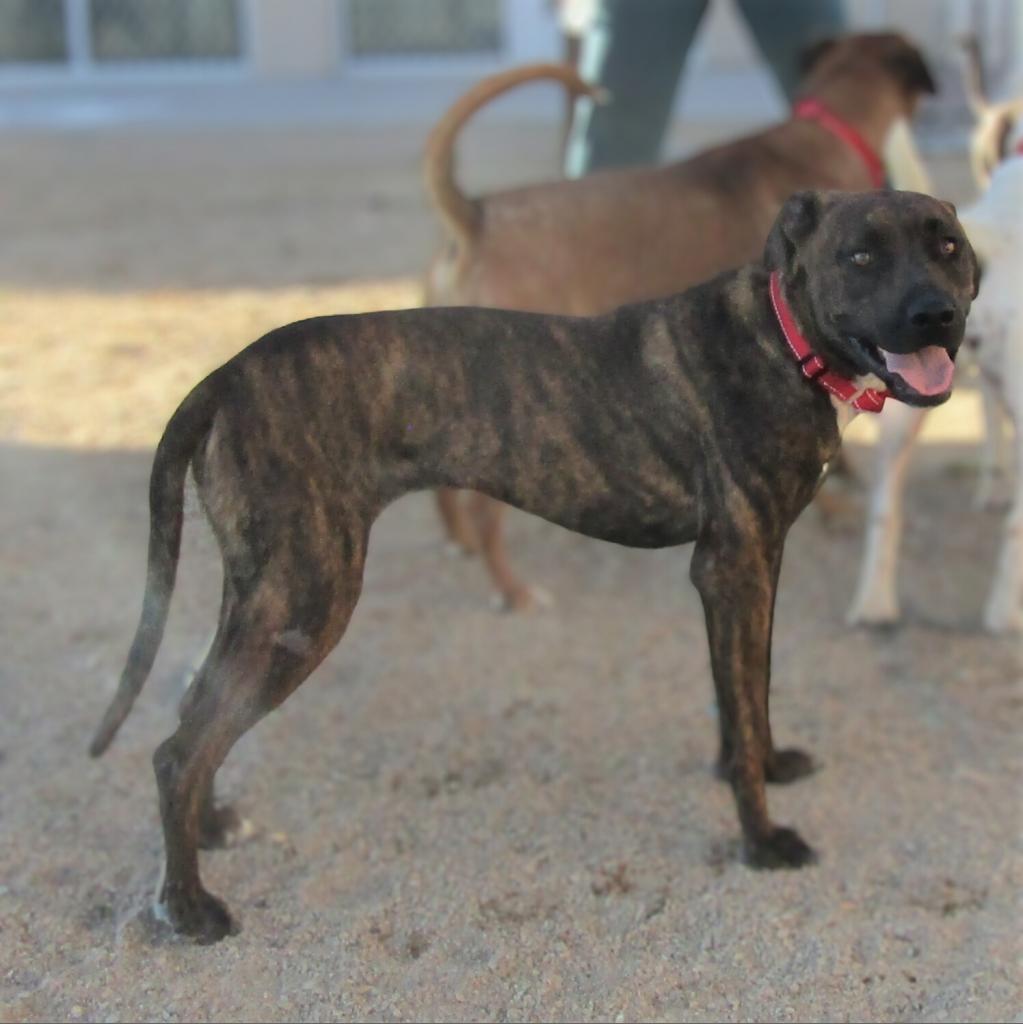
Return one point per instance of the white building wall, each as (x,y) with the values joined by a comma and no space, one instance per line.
(294,40)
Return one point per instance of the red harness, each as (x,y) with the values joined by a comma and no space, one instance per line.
(813,367)
(815,110)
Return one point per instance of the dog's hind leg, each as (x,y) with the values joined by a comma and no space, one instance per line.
(220,825)
(513,593)
(273,632)
(458,524)
(737,584)
(876,602)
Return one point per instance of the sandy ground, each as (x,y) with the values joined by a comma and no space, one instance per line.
(462,814)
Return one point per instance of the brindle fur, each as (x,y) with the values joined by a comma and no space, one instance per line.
(587,246)
(677,420)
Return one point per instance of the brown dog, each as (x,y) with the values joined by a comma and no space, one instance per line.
(584,247)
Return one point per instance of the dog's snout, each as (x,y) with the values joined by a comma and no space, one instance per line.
(931,312)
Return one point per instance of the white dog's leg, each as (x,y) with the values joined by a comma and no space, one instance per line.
(1004,610)
(994,450)
(876,601)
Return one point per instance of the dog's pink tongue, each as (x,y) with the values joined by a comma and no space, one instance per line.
(928,371)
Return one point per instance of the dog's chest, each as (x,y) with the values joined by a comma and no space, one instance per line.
(844,415)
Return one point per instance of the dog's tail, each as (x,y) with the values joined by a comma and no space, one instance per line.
(186,430)
(460,213)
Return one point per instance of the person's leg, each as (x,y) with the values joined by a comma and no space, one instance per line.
(635,49)
(784,28)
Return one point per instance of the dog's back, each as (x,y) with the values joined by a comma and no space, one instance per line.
(589,245)
(586,246)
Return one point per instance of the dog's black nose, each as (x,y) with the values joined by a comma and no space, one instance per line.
(931,313)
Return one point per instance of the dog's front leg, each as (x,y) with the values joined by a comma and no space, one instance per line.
(876,601)
(994,449)
(780,766)
(736,576)
(1003,612)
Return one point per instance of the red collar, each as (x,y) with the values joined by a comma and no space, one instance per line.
(813,367)
(814,110)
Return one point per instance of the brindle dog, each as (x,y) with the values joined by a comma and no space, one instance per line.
(677,420)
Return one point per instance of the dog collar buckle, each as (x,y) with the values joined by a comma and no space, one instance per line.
(812,366)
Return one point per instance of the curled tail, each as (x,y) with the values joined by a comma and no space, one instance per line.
(187,428)
(460,213)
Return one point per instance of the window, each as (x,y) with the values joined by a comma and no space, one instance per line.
(163,29)
(399,27)
(32,31)
(88,32)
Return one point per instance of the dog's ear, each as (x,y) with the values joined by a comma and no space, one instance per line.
(794,224)
(906,63)
(1003,132)
(976,268)
(811,56)
(978,273)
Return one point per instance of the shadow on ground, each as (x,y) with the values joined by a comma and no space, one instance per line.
(475,815)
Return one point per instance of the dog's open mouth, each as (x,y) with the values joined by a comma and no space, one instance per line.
(928,372)
(925,374)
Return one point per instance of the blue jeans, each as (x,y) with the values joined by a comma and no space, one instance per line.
(637,48)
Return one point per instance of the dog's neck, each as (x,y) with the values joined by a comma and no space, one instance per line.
(870,105)
(846,413)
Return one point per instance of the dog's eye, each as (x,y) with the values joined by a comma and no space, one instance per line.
(949,247)
(862,258)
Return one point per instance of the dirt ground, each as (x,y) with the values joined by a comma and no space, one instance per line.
(463,814)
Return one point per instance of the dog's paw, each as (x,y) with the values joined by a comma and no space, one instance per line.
(1001,620)
(883,615)
(788,765)
(780,848)
(205,919)
(222,826)
(459,549)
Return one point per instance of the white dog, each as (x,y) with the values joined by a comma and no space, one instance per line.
(994,224)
